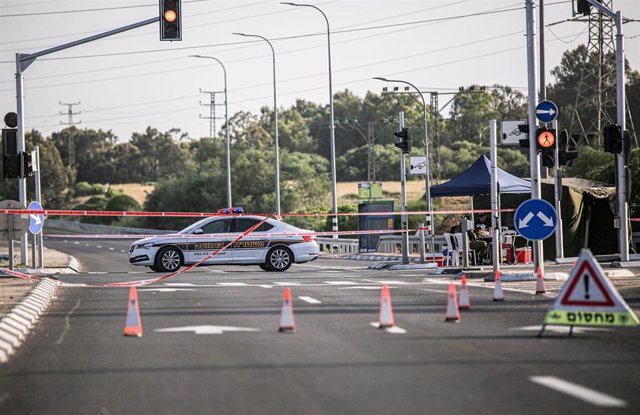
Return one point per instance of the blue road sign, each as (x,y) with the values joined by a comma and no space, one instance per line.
(35,221)
(546,111)
(535,219)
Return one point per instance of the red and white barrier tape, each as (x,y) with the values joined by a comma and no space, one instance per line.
(209,214)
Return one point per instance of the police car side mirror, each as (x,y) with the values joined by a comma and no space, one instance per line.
(198,231)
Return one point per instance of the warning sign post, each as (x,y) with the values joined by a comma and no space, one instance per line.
(589,299)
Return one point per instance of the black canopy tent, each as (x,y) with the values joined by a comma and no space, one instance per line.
(476,180)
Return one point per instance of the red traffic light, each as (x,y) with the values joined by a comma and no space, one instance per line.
(170,20)
(545,138)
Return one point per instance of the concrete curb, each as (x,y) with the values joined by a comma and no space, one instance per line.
(15,326)
(73,267)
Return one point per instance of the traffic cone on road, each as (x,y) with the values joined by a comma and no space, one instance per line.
(540,286)
(464,294)
(133,326)
(287,322)
(498,294)
(385,316)
(453,313)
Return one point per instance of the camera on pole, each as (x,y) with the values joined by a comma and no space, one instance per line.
(402,140)
(170,20)
(546,145)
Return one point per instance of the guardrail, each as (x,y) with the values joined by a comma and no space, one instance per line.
(338,246)
(94,229)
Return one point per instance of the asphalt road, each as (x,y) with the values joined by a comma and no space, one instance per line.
(78,361)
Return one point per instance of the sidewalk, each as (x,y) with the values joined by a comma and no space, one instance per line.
(13,289)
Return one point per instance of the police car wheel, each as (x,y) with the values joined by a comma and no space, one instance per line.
(279,258)
(264,267)
(154,268)
(169,259)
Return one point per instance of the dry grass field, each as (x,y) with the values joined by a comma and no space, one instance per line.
(347,192)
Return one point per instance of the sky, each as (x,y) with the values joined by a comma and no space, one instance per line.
(129,81)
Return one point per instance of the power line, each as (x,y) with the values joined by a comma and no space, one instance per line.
(387,26)
(90,10)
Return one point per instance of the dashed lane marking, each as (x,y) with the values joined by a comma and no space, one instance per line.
(310,300)
(340,282)
(233,284)
(67,323)
(364,287)
(579,392)
(287,284)
(561,329)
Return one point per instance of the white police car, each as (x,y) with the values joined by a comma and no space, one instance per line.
(275,246)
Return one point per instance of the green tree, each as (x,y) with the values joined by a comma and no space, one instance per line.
(160,154)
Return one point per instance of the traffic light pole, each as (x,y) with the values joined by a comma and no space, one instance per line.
(403,200)
(22,63)
(538,254)
(557,189)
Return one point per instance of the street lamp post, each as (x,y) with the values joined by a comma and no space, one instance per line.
(275,119)
(226,120)
(426,151)
(332,135)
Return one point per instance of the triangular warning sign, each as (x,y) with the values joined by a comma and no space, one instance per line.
(589,299)
(586,288)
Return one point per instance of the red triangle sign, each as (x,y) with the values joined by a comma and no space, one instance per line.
(586,288)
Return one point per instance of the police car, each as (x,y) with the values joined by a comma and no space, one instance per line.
(275,246)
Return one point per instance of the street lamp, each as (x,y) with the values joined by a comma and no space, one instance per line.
(426,150)
(332,134)
(226,120)
(275,118)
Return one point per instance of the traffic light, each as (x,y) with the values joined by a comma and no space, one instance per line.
(612,139)
(27,164)
(402,140)
(567,150)
(524,129)
(583,7)
(10,155)
(170,20)
(546,145)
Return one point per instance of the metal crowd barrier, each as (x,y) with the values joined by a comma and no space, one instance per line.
(338,246)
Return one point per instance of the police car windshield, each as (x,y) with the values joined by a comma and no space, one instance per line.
(191,228)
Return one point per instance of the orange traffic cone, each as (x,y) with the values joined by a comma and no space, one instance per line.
(133,326)
(464,294)
(385,316)
(540,286)
(498,294)
(287,322)
(452,313)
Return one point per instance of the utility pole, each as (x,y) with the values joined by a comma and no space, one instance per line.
(212,110)
(71,144)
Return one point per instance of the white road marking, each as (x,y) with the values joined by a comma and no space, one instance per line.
(488,285)
(67,324)
(205,329)
(561,329)
(310,300)
(389,282)
(123,251)
(364,287)
(99,246)
(87,245)
(392,330)
(179,284)
(285,284)
(434,291)
(580,392)
(76,243)
(340,282)
(112,249)
(167,290)
(233,284)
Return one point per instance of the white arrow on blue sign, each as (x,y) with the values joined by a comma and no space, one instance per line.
(546,111)
(535,219)
(35,221)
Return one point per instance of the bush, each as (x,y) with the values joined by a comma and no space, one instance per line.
(86,189)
